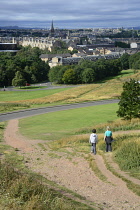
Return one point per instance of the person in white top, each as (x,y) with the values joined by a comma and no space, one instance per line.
(93,140)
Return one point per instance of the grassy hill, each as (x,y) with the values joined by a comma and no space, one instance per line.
(66,132)
(108,89)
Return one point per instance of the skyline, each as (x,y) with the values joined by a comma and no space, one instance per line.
(73,14)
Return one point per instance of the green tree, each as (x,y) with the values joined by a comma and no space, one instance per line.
(78,71)
(122,45)
(53,73)
(129,104)
(74,51)
(11,68)
(100,69)
(61,73)
(39,69)
(86,64)
(3,81)
(133,59)
(136,65)
(125,61)
(69,77)
(88,75)
(18,80)
(33,77)
(113,67)
(56,74)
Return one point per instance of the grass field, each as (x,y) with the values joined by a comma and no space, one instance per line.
(11,96)
(109,88)
(58,124)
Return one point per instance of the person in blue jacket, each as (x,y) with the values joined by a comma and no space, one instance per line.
(108,139)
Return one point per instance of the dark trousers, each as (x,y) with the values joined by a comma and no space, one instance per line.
(93,148)
(108,147)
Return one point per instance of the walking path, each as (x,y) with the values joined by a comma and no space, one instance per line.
(75,173)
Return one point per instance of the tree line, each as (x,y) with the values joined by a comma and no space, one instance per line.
(26,66)
(85,71)
(25,63)
(92,71)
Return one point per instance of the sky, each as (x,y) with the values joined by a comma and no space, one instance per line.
(70,14)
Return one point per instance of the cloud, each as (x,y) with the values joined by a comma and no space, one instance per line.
(105,13)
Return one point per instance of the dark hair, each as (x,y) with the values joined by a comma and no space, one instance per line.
(94,131)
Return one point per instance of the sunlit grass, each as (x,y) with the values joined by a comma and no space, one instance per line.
(107,89)
(128,154)
(12,96)
(117,125)
(26,191)
(70,131)
(7,107)
(55,125)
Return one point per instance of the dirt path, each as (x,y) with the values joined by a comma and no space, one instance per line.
(75,173)
(117,169)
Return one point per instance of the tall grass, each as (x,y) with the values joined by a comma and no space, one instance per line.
(128,154)
(22,191)
(78,143)
(2,126)
(132,186)
(64,96)
(117,125)
(4,107)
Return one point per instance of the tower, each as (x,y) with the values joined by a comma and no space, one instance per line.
(52,30)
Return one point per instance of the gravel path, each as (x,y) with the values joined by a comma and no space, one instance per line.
(75,173)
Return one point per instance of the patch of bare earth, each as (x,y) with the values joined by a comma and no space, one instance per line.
(75,173)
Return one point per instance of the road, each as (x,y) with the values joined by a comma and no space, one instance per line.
(43,86)
(31,112)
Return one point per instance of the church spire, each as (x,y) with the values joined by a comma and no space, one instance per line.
(52,29)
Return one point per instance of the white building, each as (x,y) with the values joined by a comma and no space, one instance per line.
(135,45)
